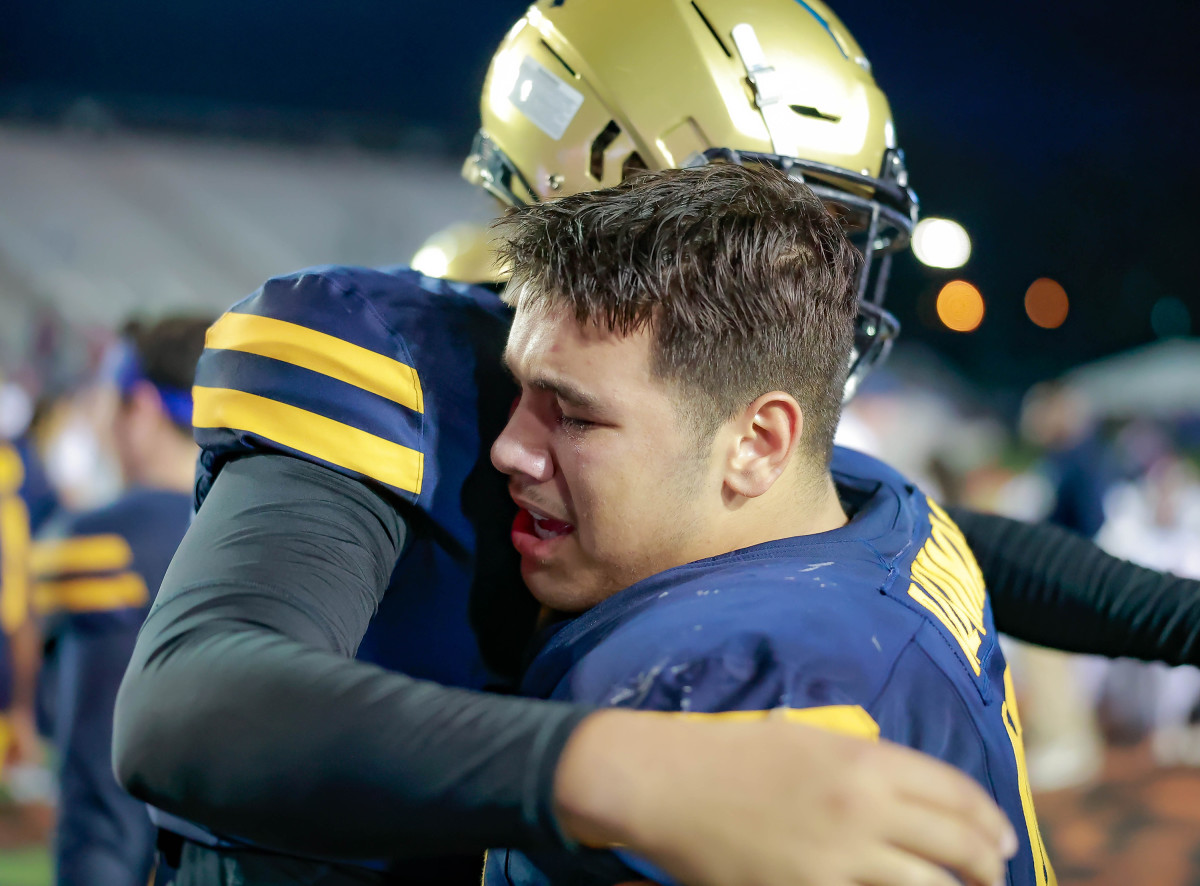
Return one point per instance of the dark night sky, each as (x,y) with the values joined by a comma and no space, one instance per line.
(1063,135)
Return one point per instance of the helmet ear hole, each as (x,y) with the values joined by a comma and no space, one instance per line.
(633,164)
(600,144)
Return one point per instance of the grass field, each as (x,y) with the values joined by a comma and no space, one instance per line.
(24,841)
(25,867)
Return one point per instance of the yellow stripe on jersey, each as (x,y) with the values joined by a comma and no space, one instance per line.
(339,444)
(14,562)
(319,352)
(122,591)
(1043,870)
(6,739)
(85,553)
(12,471)
(956,535)
(845,719)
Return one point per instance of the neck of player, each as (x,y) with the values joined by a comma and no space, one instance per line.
(791,508)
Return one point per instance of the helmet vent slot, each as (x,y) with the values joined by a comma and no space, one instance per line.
(607,136)
(550,50)
(806,111)
(633,164)
(712,30)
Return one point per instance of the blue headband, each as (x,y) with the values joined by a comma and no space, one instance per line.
(126,372)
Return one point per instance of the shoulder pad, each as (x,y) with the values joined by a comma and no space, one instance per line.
(319,365)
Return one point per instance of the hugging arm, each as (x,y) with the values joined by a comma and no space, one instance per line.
(243,710)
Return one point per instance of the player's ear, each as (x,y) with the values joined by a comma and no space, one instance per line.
(145,401)
(765,439)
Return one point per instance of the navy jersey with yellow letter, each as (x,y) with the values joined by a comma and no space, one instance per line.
(880,628)
(395,379)
(95,581)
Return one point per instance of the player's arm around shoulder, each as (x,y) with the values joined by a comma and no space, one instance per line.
(292,545)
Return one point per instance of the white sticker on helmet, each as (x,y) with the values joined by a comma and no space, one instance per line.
(548,102)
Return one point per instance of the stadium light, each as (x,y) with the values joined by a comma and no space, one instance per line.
(960,306)
(1046,303)
(941,243)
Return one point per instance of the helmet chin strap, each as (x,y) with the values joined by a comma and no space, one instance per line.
(489,168)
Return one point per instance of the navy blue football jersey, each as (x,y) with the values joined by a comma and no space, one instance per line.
(880,628)
(94,582)
(394,379)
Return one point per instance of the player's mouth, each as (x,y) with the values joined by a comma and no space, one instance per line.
(536,536)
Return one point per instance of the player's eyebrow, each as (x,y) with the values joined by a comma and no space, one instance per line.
(565,390)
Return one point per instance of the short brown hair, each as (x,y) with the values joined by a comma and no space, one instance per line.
(746,281)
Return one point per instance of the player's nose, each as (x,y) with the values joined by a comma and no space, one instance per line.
(519,450)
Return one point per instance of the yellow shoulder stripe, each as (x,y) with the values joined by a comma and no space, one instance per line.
(319,352)
(86,553)
(122,591)
(14,562)
(845,719)
(340,444)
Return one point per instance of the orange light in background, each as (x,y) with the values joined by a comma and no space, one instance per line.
(960,306)
(1046,303)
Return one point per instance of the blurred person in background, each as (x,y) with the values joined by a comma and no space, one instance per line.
(1154,520)
(1078,464)
(27,500)
(96,577)
(1065,746)
(343,414)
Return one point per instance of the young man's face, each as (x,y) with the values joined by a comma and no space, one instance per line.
(611,482)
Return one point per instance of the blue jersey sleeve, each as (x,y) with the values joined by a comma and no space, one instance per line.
(309,367)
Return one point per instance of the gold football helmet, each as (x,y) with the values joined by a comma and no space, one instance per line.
(463,252)
(582,92)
